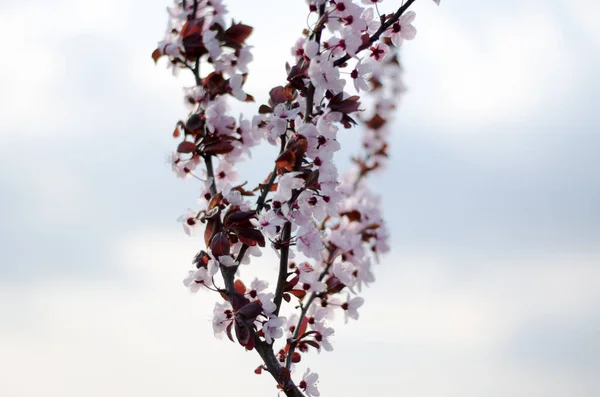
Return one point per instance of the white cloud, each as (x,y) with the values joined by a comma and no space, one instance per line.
(514,67)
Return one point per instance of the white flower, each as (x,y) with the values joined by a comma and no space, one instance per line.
(222,317)
(308,241)
(351,307)
(235,83)
(309,279)
(190,222)
(286,184)
(211,43)
(202,276)
(323,332)
(403,29)
(272,329)
(359,74)
(324,75)
(309,383)
(269,222)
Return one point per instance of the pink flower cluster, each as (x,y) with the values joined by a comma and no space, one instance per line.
(327,229)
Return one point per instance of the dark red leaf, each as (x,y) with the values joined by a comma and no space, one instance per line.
(277,95)
(191,35)
(237,217)
(346,106)
(187,147)
(237,34)
(334,285)
(211,226)
(221,147)
(250,310)
(238,301)
(312,343)
(292,283)
(298,293)
(352,216)
(250,237)
(296,357)
(219,244)
(228,331)
(376,122)
(243,334)
(264,109)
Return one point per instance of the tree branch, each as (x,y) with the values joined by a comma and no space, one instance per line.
(305,308)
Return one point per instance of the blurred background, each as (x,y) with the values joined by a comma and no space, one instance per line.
(492,287)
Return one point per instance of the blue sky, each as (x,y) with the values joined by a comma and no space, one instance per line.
(491,288)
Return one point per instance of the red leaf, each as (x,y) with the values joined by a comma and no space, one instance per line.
(240,288)
(221,147)
(277,95)
(312,343)
(353,215)
(292,283)
(296,357)
(237,34)
(211,226)
(156,54)
(376,122)
(298,293)
(214,201)
(303,326)
(191,35)
(186,147)
(287,297)
(286,160)
(176,132)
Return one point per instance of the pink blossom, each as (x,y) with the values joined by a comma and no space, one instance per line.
(286,184)
(308,241)
(379,51)
(235,83)
(272,329)
(403,29)
(309,383)
(222,317)
(324,75)
(226,173)
(269,223)
(190,222)
(359,76)
(202,276)
(351,307)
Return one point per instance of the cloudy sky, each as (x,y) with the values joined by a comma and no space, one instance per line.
(492,287)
